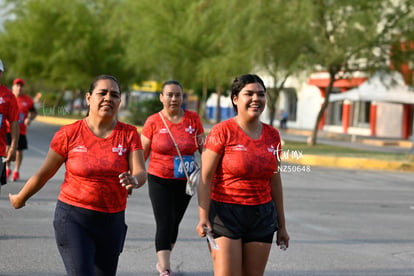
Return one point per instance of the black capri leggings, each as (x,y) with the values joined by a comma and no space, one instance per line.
(169,203)
(89,241)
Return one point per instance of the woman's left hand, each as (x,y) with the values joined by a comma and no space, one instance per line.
(128,181)
(282,235)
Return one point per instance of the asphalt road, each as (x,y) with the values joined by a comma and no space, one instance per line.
(341,222)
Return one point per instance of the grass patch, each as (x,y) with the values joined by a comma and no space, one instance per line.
(331,150)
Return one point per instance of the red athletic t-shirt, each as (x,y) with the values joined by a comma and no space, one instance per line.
(164,161)
(246,166)
(93,165)
(9,112)
(25,104)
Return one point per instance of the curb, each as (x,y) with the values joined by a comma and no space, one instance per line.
(62,121)
(307,160)
(55,120)
(353,163)
(347,137)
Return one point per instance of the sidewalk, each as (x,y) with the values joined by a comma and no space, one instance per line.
(373,144)
(386,145)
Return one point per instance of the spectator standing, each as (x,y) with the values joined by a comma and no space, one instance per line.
(104,161)
(283,119)
(9,112)
(166,177)
(27,113)
(240,193)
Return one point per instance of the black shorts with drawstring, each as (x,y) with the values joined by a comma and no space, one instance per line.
(251,223)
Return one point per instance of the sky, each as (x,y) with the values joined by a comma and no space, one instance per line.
(3,14)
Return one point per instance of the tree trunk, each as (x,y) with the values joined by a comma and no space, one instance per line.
(271,98)
(272,113)
(273,95)
(57,102)
(218,111)
(202,106)
(312,140)
(332,74)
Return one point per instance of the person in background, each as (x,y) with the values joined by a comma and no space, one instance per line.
(9,112)
(104,160)
(283,119)
(166,178)
(37,102)
(240,193)
(27,113)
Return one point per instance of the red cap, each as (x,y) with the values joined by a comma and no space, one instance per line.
(18,81)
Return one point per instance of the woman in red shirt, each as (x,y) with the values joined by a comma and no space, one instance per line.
(240,193)
(104,160)
(166,177)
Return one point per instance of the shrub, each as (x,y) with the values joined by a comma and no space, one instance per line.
(139,110)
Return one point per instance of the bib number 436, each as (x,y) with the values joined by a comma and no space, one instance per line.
(189,163)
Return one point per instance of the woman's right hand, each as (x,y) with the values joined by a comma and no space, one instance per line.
(16,202)
(201,228)
(128,181)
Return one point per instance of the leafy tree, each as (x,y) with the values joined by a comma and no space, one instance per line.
(189,43)
(203,43)
(280,42)
(68,55)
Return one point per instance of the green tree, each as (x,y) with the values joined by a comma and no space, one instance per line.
(200,43)
(62,45)
(280,42)
(352,35)
(204,44)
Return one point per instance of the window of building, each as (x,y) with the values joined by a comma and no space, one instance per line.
(334,113)
(292,106)
(360,114)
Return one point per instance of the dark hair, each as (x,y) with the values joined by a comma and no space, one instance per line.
(240,82)
(98,78)
(103,77)
(168,82)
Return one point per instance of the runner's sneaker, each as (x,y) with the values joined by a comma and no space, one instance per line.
(8,171)
(15,176)
(167,272)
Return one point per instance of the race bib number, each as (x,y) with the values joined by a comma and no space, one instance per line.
(189,163)
(21,118)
